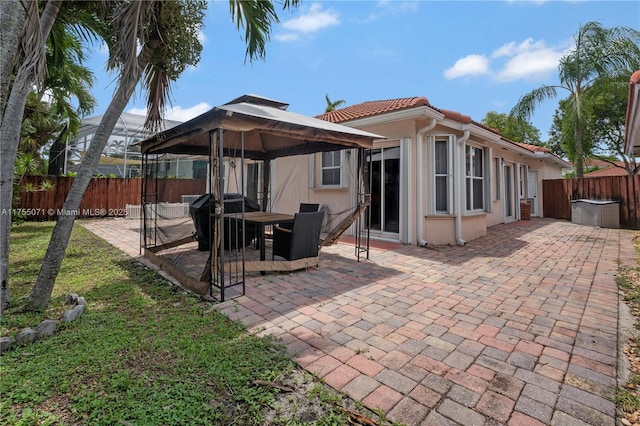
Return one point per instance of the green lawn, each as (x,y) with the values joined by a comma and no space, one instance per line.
(144,352)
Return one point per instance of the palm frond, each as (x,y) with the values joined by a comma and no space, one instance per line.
(158,89)
(527,103)
(257,18)
(34,62)
(130,21)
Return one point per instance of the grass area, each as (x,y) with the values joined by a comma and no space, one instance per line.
(144,352)
(628,397)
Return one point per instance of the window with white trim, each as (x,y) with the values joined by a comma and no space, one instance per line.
(441,168)
(331,168)
(498,177)
(475,179)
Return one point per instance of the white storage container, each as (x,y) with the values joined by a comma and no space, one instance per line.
(602,213)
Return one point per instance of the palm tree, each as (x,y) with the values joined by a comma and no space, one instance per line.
(68,82)
(167,32)
(599,53)
(332,105)
(23,63)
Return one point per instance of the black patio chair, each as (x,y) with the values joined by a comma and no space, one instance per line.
(304,208)
(308,207)
(302,240)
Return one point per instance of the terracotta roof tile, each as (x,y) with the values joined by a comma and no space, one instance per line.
(372,108)
(534,148)
(601,164)
(609,171)
(368,109)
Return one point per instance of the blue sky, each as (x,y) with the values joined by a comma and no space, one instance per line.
(467,56)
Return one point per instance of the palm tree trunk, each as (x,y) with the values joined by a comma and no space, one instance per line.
(578,164)
(12,112)
(41,292)
(12,19)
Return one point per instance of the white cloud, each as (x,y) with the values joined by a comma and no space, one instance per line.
(315,19)
(527,60)
(469,65)
(287,37)
(528,65)
(398,7)
(177,112)
(512,48)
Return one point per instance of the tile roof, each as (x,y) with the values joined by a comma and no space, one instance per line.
(368,109)
(534,148)
(609,171)
(600,164)
(604,168)
(372,108)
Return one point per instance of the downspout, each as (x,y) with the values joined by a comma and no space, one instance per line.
(421,132)
(459,155)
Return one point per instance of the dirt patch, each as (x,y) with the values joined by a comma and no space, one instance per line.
(310,400)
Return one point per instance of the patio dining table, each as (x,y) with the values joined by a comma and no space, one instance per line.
(261,220)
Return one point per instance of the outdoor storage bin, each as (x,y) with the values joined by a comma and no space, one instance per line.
(602,213)
(200,211)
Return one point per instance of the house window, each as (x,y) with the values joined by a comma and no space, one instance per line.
(497,174)
(474,178)
(441,158)
(522,181)
(331,168)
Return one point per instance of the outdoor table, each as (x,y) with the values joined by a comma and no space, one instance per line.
(261,220)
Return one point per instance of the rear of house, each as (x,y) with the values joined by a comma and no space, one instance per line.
(438,178)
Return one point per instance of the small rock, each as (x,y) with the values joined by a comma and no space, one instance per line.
(5,343)
(79,310)
(27,335)
(46,328)
(69,315)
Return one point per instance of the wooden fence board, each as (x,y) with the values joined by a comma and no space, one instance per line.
(558,194)
(103,197)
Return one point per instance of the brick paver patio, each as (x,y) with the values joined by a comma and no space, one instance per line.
(518,328)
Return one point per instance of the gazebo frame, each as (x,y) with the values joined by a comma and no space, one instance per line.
(259,129)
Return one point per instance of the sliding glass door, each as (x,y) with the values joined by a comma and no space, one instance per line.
(383,172)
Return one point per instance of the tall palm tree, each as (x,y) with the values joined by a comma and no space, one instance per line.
(34,42)
(598,53)
(167,32)
(23,64)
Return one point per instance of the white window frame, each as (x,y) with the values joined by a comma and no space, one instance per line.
(316,167)
(334,155)
(470,175)
(497,163)
(522,181)
(448,139)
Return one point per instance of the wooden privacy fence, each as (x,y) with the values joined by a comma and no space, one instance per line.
(104,197)
(558,194)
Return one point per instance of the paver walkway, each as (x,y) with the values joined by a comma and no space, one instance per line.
(519,327)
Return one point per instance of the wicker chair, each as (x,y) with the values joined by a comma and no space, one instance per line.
(302,240)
